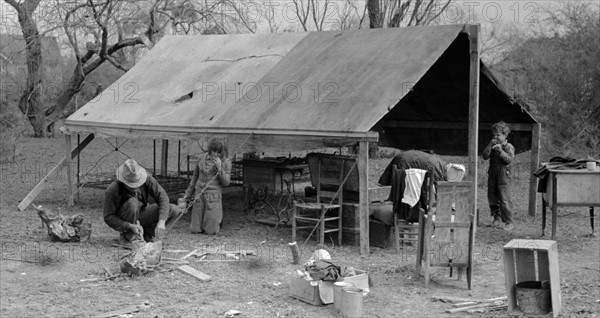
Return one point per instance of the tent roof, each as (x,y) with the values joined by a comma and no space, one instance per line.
(318,88)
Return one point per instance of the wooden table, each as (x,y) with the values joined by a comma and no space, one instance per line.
(571,188)
(275,177)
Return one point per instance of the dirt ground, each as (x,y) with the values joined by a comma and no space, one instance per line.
(40,278)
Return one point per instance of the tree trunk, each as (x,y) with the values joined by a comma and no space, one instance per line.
(375,16)
(30,102)
(58,110)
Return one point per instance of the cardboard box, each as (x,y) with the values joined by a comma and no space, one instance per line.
(320,292)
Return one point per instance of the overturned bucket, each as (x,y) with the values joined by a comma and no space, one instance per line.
(351,302)
(533,297)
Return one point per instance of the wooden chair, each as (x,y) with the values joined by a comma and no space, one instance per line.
(321,215)
(407,232)
(448,231)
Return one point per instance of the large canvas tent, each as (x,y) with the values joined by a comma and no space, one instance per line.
(299,91)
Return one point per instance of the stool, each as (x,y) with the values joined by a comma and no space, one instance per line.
(317,216)
(521,257)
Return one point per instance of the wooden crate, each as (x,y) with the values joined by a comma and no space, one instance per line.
(521,265)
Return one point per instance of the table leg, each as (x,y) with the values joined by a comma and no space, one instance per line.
(554,217)
(543,215)
(592,219)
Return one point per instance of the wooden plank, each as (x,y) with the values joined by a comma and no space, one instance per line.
(554,207)
(44,182)
(251,140)
(189,254)
(510,278)
(466,308)
(379,193)
(543,266)
(554,279)
(363,185)
(474,74)
(578,188)
(194,272)
(525,265)
(449,125)
(450,299)
(475,301)
(544,245)
(70,199)
(119,312)
(164,157)
(535,161)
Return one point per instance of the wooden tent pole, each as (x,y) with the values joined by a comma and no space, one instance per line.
(363,188)
(536,132)
(178,158)
(164,157)
(78,175)
(474,73)
(68,168)
(44,182)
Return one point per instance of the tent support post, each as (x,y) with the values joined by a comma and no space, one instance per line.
(363,186)
(78,178)
(68,168)
(164,158)
(536,131)
(473,114)
(44,182)
(178,158)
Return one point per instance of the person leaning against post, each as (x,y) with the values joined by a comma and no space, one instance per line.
(500,153)
(127,208)
(211,174)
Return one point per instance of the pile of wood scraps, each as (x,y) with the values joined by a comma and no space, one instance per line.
(473,305)
(219,256)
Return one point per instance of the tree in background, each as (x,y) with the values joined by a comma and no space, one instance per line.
(560,76)
(30,102)
(396,13)
(107,31)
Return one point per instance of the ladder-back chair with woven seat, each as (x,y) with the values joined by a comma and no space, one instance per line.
(448,230)
(406,219)
(324,216)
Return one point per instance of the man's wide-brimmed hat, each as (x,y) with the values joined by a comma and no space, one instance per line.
(131,174)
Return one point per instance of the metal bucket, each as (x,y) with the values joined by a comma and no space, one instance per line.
(533,297)
(337,293)
(351,302)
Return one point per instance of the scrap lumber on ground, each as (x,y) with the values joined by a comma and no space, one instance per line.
(472,305)
(194,272)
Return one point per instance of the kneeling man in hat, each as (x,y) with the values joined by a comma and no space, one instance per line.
(127,202)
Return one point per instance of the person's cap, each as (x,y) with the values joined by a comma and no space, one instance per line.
(455,172)
(131,174)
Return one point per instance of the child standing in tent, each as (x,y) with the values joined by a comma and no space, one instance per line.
(500,153)
(212,173)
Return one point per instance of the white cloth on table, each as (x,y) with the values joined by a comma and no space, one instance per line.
(413,183)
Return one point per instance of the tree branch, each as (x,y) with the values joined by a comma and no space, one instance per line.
(116,64)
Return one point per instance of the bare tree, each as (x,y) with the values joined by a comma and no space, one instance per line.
(350,16)
(314,11)
(30,101)
(101,31)
(396,13)
(559,72)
